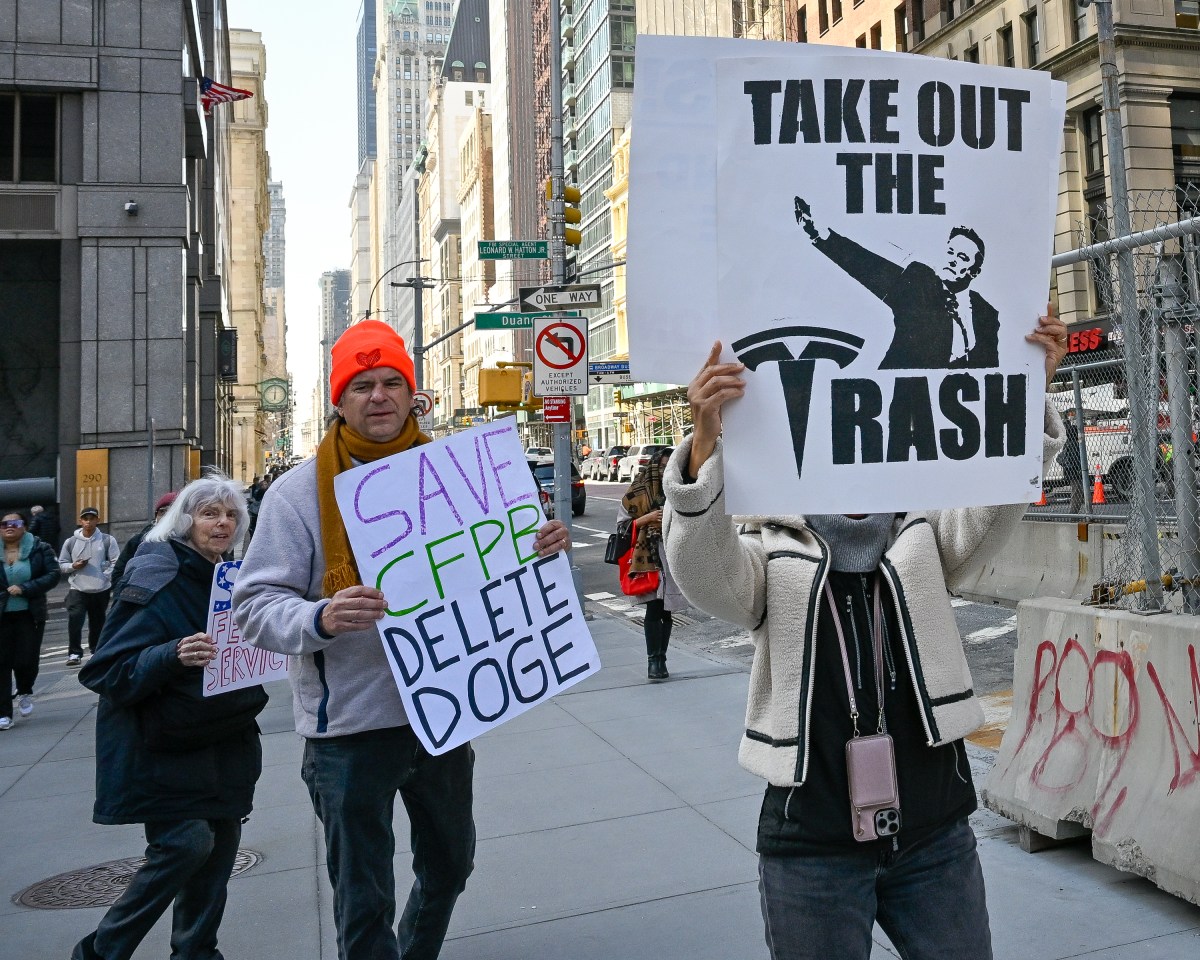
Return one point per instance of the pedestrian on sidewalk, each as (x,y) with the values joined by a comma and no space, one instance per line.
(182,764)
(132,544)
(88,557)
(29,572)
(1068,459)
(852,627)
(299,592)
(643,502)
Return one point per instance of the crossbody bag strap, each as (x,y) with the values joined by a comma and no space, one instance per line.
(841,635)
(877,645)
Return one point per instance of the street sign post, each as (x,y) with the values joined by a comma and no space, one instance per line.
(560,352)
(514,249)
(556,409)
(613,371)
(509,321)
(560,296)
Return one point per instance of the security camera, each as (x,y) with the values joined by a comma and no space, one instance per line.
(131,208)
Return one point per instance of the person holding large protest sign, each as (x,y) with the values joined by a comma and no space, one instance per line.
(859,698)
(299,592)
(182,764)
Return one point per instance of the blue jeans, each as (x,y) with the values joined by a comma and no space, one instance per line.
(353,782)
(928,898)
(188,862)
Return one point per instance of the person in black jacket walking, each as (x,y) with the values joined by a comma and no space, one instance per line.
(166,756)
(29,572)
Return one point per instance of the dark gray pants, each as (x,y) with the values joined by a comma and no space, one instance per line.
(353,782)
(188,862)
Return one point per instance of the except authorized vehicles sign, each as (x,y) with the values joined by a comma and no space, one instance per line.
(422,407)
(560,352)
(560,296)
(514,249)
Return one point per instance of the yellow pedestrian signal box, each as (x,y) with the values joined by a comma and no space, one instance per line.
(500,386)
(571,213)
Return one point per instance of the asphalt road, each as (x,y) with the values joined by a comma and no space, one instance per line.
(989,632)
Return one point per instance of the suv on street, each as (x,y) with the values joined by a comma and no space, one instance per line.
(638,456)
(544,474)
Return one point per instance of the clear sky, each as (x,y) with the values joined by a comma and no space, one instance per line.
(312,136)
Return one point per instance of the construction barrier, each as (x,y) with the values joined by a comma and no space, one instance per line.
(1040,560)
(1105,737)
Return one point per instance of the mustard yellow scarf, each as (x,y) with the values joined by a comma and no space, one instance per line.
(339,449)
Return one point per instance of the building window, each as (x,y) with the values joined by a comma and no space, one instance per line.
(622,72)
(900,16)
(1005,41)
(1185,144)
(836,10)
(971,54)
(861,41)
(802,24)
(1033,37)
(1187,14)
(877,37)
(951,9)
(918,19)
(823,15)
(1095,196)
(1079,24)
(28,138)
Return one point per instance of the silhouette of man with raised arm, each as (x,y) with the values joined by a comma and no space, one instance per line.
(940,323)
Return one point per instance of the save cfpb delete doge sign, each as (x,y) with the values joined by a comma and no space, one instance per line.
(883,235)
(478,629)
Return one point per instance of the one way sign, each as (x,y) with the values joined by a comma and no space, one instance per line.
(560,296)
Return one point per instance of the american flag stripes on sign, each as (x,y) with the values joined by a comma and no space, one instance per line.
(212,92)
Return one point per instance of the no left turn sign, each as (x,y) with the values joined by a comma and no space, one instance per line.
(560,357)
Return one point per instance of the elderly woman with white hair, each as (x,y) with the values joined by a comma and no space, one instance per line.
(183,764)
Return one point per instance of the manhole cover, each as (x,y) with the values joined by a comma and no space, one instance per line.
(99,885)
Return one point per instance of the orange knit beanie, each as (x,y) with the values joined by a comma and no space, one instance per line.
(367,344)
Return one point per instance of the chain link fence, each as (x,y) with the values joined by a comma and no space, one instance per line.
(1128,401)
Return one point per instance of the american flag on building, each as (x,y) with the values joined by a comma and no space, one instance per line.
(212,92)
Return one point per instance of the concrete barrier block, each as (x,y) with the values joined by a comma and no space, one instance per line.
(1105,736)
(1040,559)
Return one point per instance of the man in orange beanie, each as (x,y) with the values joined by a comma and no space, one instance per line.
(299,592)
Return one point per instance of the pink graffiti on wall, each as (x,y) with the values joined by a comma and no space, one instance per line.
(1111,674)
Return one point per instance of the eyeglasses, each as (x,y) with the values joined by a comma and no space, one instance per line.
(12,524)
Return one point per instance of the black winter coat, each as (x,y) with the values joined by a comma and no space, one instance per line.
(163,750)
(44,576)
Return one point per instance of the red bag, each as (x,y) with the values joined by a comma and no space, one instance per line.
(635,584)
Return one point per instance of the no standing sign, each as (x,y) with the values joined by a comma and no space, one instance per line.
(560,357)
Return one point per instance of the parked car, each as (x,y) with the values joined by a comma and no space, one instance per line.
(595,467)
(638,456)
(539,454)
(606,469)
(544,474)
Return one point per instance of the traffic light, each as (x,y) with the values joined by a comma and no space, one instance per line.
(571,214)
(500,386)
(616,396)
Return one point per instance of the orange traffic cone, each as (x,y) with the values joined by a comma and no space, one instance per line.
(1098,487)
(1042,502)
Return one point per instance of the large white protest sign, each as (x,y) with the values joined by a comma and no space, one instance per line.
(478,629)
(672,263)
(237,664)
(884,230)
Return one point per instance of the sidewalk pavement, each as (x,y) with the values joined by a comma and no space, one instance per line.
(614,824)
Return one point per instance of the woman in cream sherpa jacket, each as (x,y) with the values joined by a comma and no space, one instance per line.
(766,575)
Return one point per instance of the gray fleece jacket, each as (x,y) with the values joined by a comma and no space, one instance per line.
(767,577)
(340,684)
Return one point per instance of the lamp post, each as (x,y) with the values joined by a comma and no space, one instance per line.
(418,285)
(402,263)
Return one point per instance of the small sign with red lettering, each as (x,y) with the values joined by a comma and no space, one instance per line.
(556,409)
(1084,341)
(237,664)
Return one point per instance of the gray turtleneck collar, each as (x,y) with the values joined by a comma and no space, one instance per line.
(855,546)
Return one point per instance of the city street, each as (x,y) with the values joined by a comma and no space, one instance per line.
(989,631)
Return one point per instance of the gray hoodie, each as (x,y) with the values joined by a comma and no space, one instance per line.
(340,684)
(100,550)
